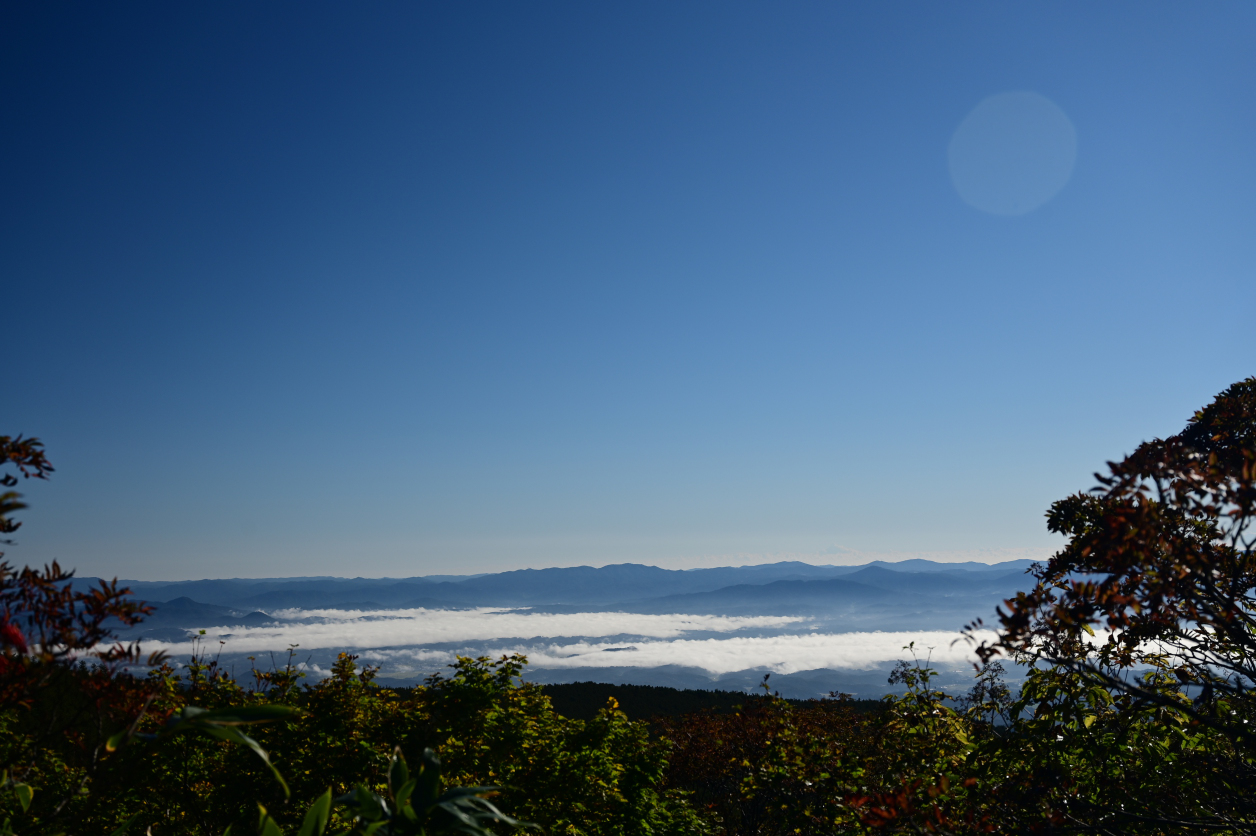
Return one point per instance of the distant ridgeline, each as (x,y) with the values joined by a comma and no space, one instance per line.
(776,588)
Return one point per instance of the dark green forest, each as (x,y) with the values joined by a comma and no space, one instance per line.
(583,700)
(1136,714)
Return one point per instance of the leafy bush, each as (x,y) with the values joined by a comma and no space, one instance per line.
(344,736)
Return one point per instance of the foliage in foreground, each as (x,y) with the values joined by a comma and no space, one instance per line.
(345,738)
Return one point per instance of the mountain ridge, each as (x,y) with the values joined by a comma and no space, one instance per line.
(575,585)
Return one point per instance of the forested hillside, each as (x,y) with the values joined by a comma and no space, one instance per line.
(583,700)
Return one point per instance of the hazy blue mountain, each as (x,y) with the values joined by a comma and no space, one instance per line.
(874,586)
(576,584)
(876,599)
(374,595)
(765,573)
(600,587)
(919,565)
(173,620)
(939,583)
(794,597)
(618,582)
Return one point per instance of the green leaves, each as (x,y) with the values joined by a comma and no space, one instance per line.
(413,806)
(125,826)
(191,717)
(418,806)
(266,826)
(316,818)
(24,793)
(224,723)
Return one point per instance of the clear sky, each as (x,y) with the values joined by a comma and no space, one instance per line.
(399,289)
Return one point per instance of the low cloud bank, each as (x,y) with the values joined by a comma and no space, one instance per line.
(398,628)
(418,640)
(779,654)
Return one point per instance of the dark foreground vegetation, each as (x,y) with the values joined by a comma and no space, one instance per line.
(1137,715)
(583,700)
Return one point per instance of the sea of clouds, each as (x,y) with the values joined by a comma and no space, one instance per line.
(410,640)
(779,654)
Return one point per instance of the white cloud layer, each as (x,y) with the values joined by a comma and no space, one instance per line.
(779,654)
(401,640)
(399,628)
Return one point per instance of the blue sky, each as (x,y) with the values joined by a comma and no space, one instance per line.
(299,289)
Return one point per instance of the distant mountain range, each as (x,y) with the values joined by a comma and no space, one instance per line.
(919,594)
(573,585)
